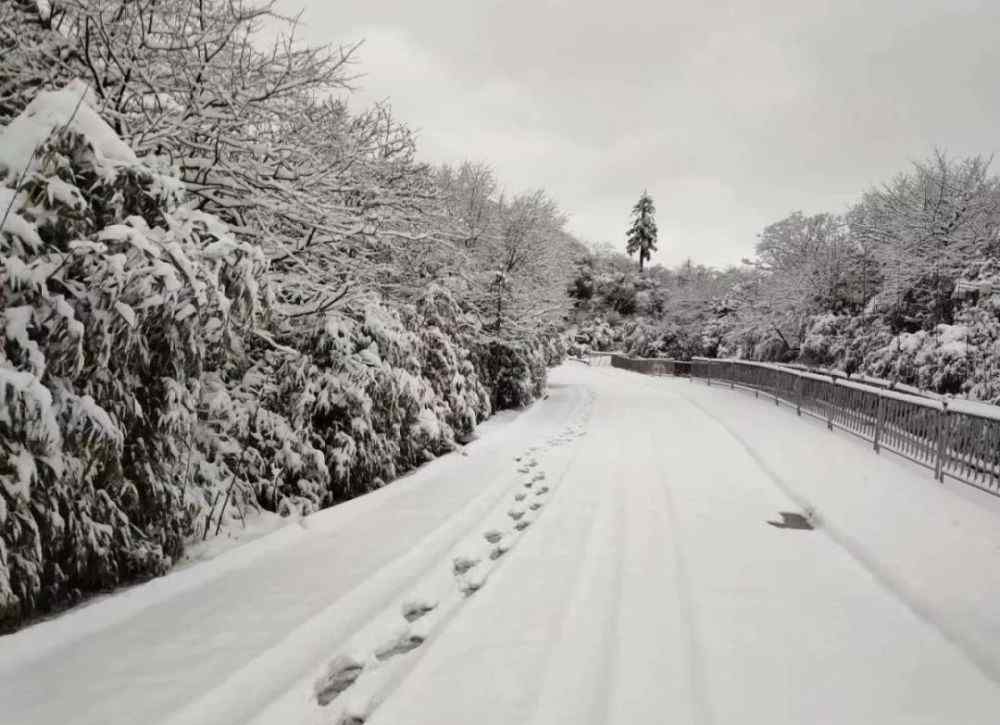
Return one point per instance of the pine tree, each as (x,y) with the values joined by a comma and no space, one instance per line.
(642,234)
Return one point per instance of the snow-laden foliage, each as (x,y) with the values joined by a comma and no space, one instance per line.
(118,306)
(844,341)
(154,391)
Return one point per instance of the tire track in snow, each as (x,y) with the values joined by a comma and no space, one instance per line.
(669,533)
(563,684)
(672,531)
(572,680)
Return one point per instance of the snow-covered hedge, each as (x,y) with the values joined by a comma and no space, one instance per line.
(843,342)
(118,304)
(151,391)
(959,359)
(600,335)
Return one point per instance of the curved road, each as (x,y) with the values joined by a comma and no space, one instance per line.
(604,557)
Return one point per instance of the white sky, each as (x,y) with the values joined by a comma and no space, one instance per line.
(732,114)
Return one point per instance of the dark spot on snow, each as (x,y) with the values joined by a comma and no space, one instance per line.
(399,646)
(535,506)
(543,489)
(522,525)
(492,536)
(516,515)
(412,611)
(497,553)
(792,521)
(519,496)
(470,588)
(462,564)
(342,674)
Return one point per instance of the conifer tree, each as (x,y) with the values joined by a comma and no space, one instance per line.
(642,234)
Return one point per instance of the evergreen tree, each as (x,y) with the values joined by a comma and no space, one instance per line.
(642,234)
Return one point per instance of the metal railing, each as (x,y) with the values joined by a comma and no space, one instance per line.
(954,440)
(651,365)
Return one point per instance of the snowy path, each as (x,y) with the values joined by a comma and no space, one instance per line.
(620,571)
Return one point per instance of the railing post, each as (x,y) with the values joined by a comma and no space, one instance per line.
(942,435)
(879,423)
(799,384)
(829,404)
(708,374)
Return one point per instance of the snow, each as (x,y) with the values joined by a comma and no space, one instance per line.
(100,419)
(31,390)
(59,190)
(72,108)
(127,313)
(23,464)
(925,400)
(641,583)
(972,407)
(10,205)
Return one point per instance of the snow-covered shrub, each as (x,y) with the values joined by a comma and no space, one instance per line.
(117,303)
(843,342)
(447,361)
(664,339)
(982,338)
(358,391)
(556,349)
(380,389)
(937,360)
(514,371)
(599,335)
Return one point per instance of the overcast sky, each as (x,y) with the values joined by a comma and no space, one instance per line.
(732,114)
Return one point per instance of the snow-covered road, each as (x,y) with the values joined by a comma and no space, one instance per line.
(601,558)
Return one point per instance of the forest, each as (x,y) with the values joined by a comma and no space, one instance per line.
(225,290)
(903,286)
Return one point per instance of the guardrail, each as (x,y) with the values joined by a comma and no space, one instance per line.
(953,438)
(651,365)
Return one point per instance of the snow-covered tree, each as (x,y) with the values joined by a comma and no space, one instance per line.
(222,291)
(469,194)
(923,227)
